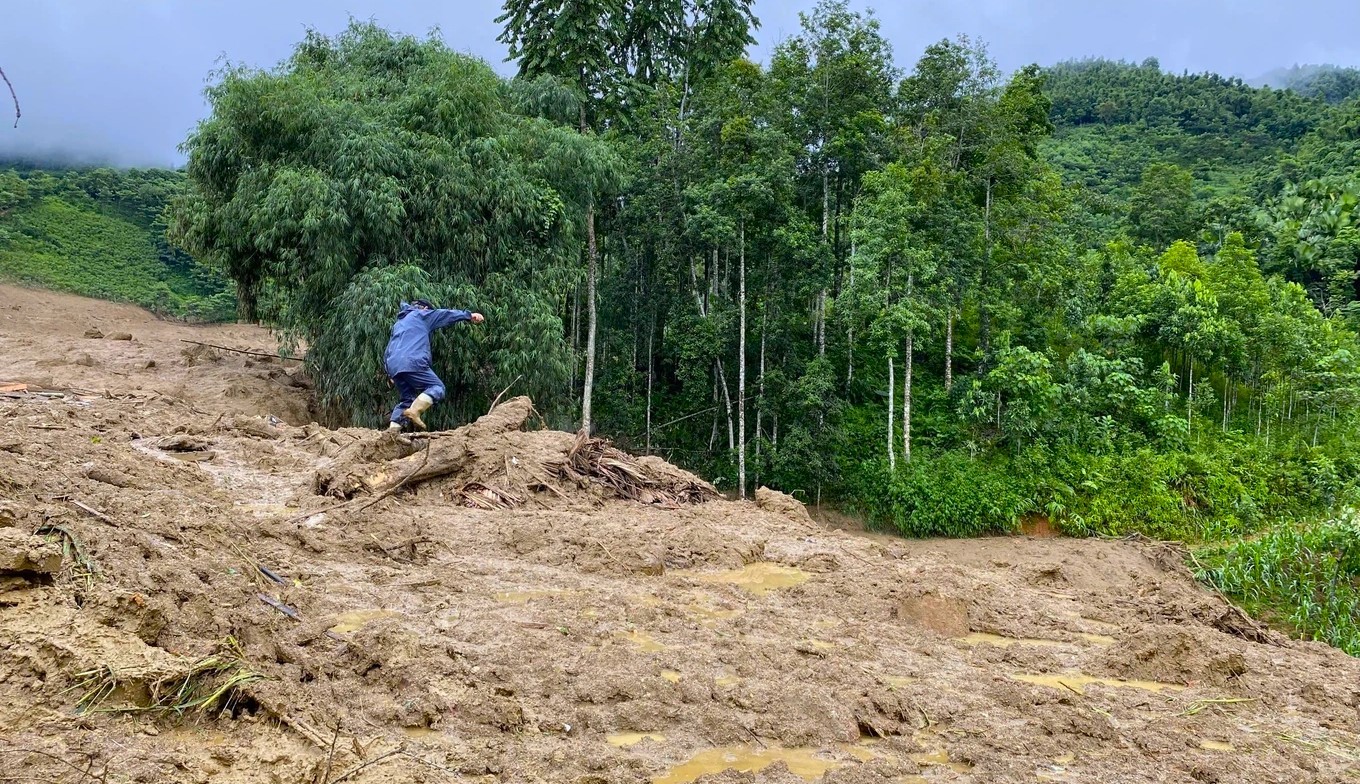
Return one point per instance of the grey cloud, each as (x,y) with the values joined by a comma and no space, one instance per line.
(122,83)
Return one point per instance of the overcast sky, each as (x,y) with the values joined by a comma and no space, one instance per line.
(121,82)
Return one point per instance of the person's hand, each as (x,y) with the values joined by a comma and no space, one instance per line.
(478,318)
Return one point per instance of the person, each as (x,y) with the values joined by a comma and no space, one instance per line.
(408,358)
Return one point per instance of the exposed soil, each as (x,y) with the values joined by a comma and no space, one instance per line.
(197,584)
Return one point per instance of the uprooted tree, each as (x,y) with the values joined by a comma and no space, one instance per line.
(370,168)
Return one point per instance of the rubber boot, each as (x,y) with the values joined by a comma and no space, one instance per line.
(394,427)
(420,406)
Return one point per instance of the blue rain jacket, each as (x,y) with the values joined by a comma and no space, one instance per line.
(408,348)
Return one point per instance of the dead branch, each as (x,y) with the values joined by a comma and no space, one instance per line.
(244,351)
(17,113)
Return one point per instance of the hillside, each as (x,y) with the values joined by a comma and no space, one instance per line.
(182,604)
(101,233)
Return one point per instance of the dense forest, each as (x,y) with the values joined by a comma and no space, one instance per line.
(102,232)
(953,300)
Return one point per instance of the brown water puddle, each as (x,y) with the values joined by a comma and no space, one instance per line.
(353,621)
(1216,745)
(898,682)
(1076,681)
(758,578)
(1001,641)
(624,739)
(726,679)
(805,763)
(419,732)
(670,675)
(642,640)
(940,758)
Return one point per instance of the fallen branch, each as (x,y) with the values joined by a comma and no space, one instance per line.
(357,769)
(394,488)
(244,351)
(497,401)
(292,613)
(95,513)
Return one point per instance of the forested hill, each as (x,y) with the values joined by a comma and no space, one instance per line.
(102,233)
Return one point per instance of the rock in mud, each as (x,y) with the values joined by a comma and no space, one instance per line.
(84,360)
(22,553)
(782,503)
(109,476)
(11,514)
(257,428)
(182,443)
(94,334)
(119,336)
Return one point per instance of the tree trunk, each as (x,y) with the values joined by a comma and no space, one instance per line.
(984,315)
(760,406)
(592,251)
(906,402)
(949,350)
(651,365)
(892,431)
(741,369)
(727,400)
(821,323)
(1190,400)
(850,329)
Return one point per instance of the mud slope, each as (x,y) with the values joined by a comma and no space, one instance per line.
(191,591)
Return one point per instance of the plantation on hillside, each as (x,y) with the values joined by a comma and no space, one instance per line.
(101,233)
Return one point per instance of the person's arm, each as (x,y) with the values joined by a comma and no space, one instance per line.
(443,317)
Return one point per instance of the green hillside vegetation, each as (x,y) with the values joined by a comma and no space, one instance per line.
(101,233)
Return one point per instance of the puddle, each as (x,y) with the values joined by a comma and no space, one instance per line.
(1001,641)
(1216,745)
(726,679)
(642,640)
(353,621)
(623,739)
(522,597)
(804,763)
(671,675)
(193,457)
(998,641)
(758,578)
(705,613)
(862,751)
(1076,682)
(940,759)
(898,682)
(1066,759)
(419,732)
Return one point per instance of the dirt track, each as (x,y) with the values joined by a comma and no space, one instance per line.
(514,621)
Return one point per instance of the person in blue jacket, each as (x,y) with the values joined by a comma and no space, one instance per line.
(408,358)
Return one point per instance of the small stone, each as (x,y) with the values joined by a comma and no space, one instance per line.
(119,336)
(93,334)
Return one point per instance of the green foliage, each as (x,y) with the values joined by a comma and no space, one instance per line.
(100,233)
(371,168)
(947,493)
(1303,576)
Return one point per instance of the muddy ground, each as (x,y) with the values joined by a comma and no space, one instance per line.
(199,585)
